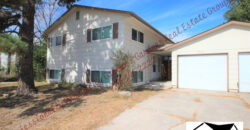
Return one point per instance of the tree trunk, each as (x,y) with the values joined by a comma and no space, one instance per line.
(26,75)
(8,64)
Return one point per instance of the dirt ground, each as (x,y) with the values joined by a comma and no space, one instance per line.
(64,108)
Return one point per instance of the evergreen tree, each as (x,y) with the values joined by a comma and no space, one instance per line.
(239,10)
(18,16)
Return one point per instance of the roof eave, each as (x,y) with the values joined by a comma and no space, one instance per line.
(206,33)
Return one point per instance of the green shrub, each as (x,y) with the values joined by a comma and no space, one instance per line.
(39,62)
(2,68)
(13,70)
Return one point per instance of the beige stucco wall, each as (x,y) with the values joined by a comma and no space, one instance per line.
(231,39)
(78,55)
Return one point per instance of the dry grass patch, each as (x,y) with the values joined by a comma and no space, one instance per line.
(89,111)
(98,111)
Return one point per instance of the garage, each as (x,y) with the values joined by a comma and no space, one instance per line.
(207,72)
(244,72)
(217,59)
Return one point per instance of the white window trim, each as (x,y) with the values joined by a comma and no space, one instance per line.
(55,80)
(101,32)
(143,79)
(137,36)
(55,38)
(101,84)
(131,34)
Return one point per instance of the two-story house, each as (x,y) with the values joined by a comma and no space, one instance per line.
(82,41)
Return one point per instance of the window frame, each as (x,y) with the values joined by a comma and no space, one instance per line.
(154,68)
(61,40)
(55,80)
(139,37)
(159,64)
(77,15)
(51,39)
(92,34)
(111,33)
(55,37)
(138,34)
(137,76)
(100,84)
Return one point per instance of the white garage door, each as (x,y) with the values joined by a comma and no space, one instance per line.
(203,72)
(244,72)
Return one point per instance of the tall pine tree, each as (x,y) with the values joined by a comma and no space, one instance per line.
(17,16)
(239,10)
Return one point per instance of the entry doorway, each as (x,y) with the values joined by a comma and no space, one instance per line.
(167,68)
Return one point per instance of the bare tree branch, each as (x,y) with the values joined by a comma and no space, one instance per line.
(45,15)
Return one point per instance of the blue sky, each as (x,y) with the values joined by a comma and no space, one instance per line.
(166,15)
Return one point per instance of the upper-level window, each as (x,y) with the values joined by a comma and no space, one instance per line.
(141,37)
(56,41)
(102,33)
(77,15)
(137,36)
(134,35)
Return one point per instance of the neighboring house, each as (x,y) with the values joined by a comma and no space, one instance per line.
(4,59)
(218,59)
(82,41)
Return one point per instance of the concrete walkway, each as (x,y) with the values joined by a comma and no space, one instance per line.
(172,108)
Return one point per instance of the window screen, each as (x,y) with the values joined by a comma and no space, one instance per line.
(102,33)
(134,34)
(101,76)
(137,36)
(97,33)
(105,76)
(59,40)
(95,76)
(55,74)
(137,76)
(141,37)
(53,41)
(77,15)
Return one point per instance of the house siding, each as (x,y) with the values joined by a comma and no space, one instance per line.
(133,47)
(231,40)
(77,55)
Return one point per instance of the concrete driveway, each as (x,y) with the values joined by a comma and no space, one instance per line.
(172,108)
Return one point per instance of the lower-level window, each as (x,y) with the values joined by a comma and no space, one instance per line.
(137,76)
(100,76)
(55,74)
